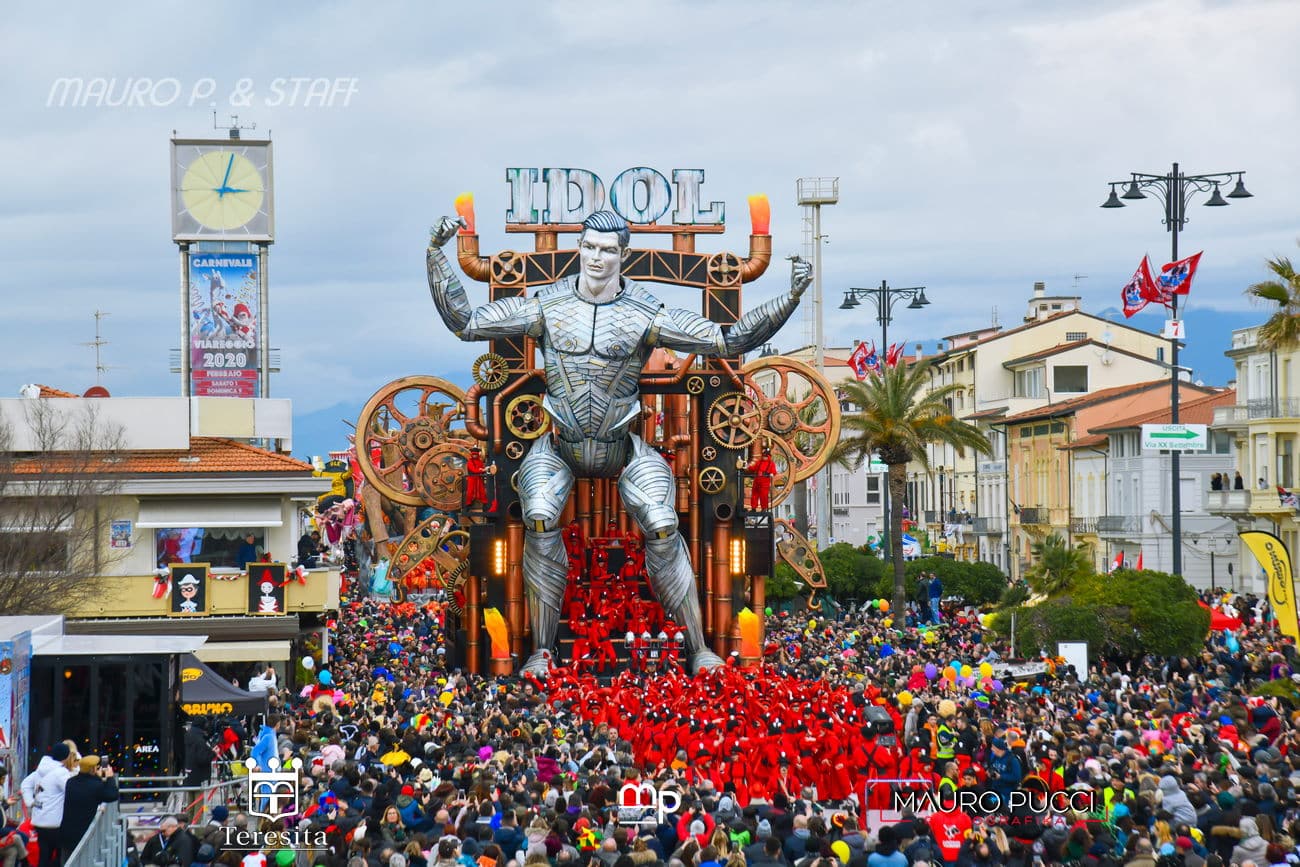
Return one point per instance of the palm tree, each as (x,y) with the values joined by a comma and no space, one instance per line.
(1282,330)
(900,414)
(1057,566)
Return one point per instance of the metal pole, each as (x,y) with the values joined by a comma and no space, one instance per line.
(882,316)
(1213,587)
(823,498)
(263,332)
(1175,206)
(185,320)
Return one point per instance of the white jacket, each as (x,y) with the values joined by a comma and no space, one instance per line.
(43,792)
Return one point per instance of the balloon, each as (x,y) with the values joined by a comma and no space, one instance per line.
(446,698)
(931,637)
(325,678)
(888,622)
(875,603)
(997,686)
(949,674)
(986,682)
(308,663)
(886,651)
(812,624)
(394,648)
(884,604)
(904,697)
(931,672)
(965,671)
(986,670)
(768,611)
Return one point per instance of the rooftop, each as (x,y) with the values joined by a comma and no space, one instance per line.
(1199,410)
(1068,407)
(205,455)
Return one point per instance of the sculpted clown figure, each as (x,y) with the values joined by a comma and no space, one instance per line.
(596,331)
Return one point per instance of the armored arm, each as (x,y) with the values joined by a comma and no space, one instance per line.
(505,317)
(685,331)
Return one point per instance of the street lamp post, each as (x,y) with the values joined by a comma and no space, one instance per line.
(1175,190)
(885,296)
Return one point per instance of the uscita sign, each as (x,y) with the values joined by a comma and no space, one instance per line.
(640,195)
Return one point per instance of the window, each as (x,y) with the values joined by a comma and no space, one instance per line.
(873,490)
(1041,430)
(1070,378)
(1056,306)
(1029,383)
(1160,353)
(218,546)
(961,365)
(1058,427)
(1072,336)
(1026,432)
(961,400)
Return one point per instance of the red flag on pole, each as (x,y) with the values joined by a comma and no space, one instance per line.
(1141,290)
(1139,565)
(1118,561)
(859,361)
(1176,277)
(894,354)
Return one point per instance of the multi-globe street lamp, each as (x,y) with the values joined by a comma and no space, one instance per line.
(1175,191)
(885,297)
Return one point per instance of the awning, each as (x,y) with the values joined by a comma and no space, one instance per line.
(244,651)
(206,693)
(209,512)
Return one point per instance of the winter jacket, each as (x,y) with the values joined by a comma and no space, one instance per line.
(1175,801)
(1251,846)
(82,797)
(43,792)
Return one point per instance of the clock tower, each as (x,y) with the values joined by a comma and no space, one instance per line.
(223,222)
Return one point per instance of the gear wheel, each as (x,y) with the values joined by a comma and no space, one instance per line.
(490,371)
(526,418)
(734,420)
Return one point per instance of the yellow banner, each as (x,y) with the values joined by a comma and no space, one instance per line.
(1272,554)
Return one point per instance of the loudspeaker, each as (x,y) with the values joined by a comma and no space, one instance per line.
(760,548)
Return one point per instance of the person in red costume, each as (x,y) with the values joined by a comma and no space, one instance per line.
(763,469)
(475,472)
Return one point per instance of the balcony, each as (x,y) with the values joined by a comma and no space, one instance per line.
(1083,526)
(1034,515)
(994,525)
(132,596)
(1231,416)
(1286,407)
(1228,502)
(1119,525)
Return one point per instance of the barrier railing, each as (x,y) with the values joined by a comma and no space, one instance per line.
(104,844)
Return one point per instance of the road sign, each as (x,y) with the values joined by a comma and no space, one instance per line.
(1175,329)
(1174,437)
(876,465)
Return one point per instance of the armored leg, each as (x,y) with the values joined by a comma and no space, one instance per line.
(646,486)
(544,485)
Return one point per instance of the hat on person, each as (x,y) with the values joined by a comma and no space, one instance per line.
(697,828)
(1168,849)
(1119,812)
(841,850)
(220,813)
(764,829)
(408,790)
(1183,842)
(999,744)
(60,752)
(1226,800)
(88,764)
(284,858)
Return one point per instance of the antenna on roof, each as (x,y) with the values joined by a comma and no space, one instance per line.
(99,342)
(233,127)
(1077,278)
(995,316)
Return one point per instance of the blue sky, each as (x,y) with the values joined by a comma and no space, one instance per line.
(973,143)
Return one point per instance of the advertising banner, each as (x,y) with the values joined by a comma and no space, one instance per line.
(225,315)
(15,682)
(1272,554)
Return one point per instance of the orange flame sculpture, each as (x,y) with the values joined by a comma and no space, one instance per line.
(760,215)
(465,208)
(496,627)
(749,626)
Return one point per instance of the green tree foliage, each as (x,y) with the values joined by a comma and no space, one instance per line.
(1122,614)
(1282,330)
(851,573)
(901,412)
(781,586)
(977,583)
(1057,567)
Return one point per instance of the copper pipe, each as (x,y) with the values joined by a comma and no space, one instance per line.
(499,400)
(684,242)
(515,583)
(705,568)
(683,368)
(568,512)
(721,578)
(473,424)
(476,267)
(582,490)
(736,379)
(760,256)
(599,487)
(472,624)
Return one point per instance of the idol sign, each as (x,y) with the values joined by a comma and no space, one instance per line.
(640,195)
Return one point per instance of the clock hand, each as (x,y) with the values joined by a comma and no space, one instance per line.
(223,189)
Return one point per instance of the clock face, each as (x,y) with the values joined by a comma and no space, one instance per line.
(221,190)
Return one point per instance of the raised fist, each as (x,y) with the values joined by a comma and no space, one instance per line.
(445,230)
(800,275)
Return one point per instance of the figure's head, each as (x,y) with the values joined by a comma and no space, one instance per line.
(603,245)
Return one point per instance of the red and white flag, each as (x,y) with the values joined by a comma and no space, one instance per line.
(864,360)
(1139,565)
(1118,562)
(894,354)
(1140,290)
(1176,277)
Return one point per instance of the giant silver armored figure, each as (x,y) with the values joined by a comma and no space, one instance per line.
(596,331)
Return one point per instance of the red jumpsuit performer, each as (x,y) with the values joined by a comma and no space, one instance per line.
(475,470)
(760,496)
